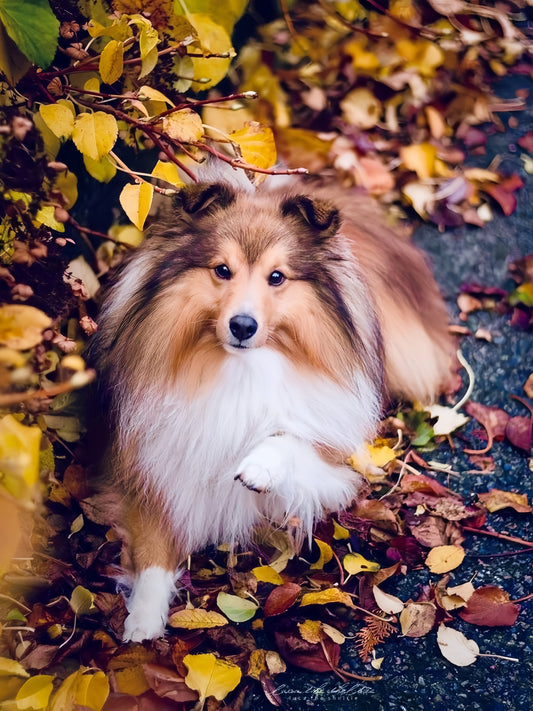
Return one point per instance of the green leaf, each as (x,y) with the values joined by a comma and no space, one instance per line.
(82,601)
(33,27)
(236,608)
(13,63)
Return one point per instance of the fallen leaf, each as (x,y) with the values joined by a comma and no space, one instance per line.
(355,563)
(388,603)
(266,574)
(442,559)
(455,647)
(196,619)
(417,618)
(210,676)
(236,608)
(281,599)
(495,500)
(324,597)
(490,606)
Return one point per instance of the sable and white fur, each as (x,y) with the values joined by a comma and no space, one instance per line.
(196,411)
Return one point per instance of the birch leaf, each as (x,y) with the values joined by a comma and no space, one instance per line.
(136,201)
(33,27)
(256,144)
(111,63)
(95,134)
(455,647)
(213,38)
(82,601)
(59,118)
(210,676)
(184,126)
(10,667)
(102,170)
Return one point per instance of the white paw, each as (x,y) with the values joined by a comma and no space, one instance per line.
(143,624)
(266,467)
(148,604)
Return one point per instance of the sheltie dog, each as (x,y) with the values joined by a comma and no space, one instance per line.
(245,351)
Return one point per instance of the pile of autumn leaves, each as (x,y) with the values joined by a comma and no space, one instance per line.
(301,607)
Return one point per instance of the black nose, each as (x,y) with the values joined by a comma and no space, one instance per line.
(243,326)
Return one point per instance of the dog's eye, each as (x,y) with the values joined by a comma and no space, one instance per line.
(223,271)
(276,278)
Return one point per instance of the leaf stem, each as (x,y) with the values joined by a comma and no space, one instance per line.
(494,534)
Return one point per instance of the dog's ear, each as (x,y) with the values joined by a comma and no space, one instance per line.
(202,197)
(319,214)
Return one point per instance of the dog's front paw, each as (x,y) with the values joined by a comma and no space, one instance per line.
(265,468)
(145,624)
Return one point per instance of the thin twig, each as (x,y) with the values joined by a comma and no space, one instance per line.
(494,534)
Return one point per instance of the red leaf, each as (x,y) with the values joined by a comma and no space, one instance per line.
(420,482)
(519,432)
(297,651)
(281,598)
(490,606)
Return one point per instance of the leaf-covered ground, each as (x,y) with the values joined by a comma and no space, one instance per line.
(398,599)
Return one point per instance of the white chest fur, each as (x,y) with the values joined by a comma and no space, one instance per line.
(191,449)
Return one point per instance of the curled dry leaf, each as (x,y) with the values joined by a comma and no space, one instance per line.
(388,603)
(495,500)
(417,618)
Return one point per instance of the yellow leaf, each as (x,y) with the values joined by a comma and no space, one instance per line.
(21,326)
(131,680)
(148,41)
(225,14)
(83,687)
(52,144)
(311,631)
(168,172)
(67,184)
(111,63)
(127,234)
(256,144)
(119,30)
(184,126)
(267,574)
(82,601)
(213,38)
(210,676)
(326,596)
(496,499)
(46,216)
(381,455)
(10,667)
(361,108)
(59,118)
(102,170)
(197,619)
(34,693)
(126,669)
(339,532)
(19,454)
(95,134)
(257,664)
(92,84)
(151,94)
(421,158)
(136,201)
(442,559)
(355,563)
(326,554)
